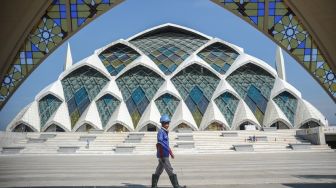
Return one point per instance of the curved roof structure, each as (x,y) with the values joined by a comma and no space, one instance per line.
(215,83)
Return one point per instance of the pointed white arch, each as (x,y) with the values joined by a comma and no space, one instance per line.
(167,87)
(182,115)
(191,60)
(92,61)
(50,123)
(60,117)
(143,61)
(273,114)
(243,114)
(236,48)
(150,116)
(90,116)
(213,114)
(245,59)
(167,25)
(120,116)
(55,89)
(120,41)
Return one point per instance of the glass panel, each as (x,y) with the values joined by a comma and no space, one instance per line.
(106,105)
(219,56)
(138,86)
(80,87)
(169,48)
(117,57)
(196,86)
(287,103)
(254,85)
(227,104)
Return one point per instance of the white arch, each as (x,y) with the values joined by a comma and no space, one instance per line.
(281,86)
(244,59)
(25,123)
(112,89)
(182,115)
(238,49)
(243,113)
(167,25)
(92,61)
(150,116)
(90,116)
(143,61)
(211,114)
(219,122)
(191,60)
(119,41)
(82,124)
(121,116)
(167,87)
(274,113)
(60,117)
(50,123)
(224,87)
(117,123)
(55,89)
(281,120)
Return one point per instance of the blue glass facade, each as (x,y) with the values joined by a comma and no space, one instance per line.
(227,104)
(254,85)
(106,105)
(47,107)
(287,103)
(138,86)
(219,56)
(167,104)
(196,85)
(117,57)
(169,48)
(80,88)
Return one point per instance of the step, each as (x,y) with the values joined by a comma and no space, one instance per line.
(68,149)
(12,149)
(301,146)
(37,140)
(124,149)
(243,147)
(185,144)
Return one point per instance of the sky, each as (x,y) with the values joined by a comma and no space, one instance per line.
(133,16)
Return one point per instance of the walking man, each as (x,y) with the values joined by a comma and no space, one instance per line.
(163,152)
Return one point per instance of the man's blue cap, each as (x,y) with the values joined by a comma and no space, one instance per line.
(164,119)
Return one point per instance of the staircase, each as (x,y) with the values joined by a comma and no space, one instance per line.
(203,142)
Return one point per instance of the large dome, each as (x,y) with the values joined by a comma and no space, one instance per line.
(201,82)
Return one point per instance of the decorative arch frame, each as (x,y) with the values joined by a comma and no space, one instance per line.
(63,19)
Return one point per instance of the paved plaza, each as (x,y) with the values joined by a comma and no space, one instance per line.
(253,170)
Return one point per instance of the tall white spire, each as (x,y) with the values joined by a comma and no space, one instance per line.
(68,61)
(280,64)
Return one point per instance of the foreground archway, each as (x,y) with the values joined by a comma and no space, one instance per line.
(280,20)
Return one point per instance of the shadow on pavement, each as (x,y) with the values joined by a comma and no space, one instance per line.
(310,185)
(317,176)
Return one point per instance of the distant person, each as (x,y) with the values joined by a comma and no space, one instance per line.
(163,152)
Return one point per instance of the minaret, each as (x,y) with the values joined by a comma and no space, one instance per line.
(68,61)
(280,64)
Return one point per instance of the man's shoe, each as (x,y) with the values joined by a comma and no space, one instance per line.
(174,181)
(155,179)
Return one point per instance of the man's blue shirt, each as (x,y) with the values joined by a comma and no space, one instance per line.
(162,143)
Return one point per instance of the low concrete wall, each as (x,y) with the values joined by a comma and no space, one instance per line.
(314,135)
(8,138)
